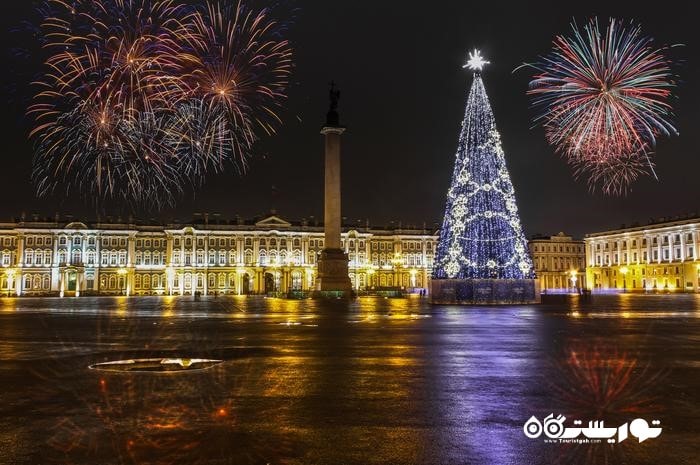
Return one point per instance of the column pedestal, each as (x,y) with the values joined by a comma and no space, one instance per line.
(333,279)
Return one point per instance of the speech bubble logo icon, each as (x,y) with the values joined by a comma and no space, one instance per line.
(639,428)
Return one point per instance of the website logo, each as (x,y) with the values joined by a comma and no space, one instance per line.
(555,432)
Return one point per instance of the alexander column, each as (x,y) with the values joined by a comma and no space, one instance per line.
(332,279)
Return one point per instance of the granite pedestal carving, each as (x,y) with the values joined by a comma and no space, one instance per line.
(333,279)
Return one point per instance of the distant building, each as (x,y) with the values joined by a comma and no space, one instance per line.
(269,256)
(559,262)
(661,256)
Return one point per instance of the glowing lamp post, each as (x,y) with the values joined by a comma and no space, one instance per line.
(122,272)
(574,278)
(624,271)
(396,263)
(10,280)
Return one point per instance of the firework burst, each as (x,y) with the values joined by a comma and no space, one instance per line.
(140,97)
(604,101)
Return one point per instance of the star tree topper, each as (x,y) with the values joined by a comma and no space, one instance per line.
(476,61)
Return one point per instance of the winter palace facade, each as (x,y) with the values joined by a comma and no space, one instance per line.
(270,256)
(658,257)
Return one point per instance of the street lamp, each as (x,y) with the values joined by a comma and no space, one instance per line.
(624,271)
(122,272)
(396,262)
(370,274)
(10,278)
(574,278)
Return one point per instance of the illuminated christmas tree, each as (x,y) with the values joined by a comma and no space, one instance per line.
(481,236)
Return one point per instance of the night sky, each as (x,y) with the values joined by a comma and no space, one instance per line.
(399,67)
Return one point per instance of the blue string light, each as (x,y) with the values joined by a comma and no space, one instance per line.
(481,235)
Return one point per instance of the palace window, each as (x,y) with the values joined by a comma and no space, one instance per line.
(231,257)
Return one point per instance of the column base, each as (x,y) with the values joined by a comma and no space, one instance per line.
(333,280)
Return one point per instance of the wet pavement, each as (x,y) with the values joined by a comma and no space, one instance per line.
(373,381)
